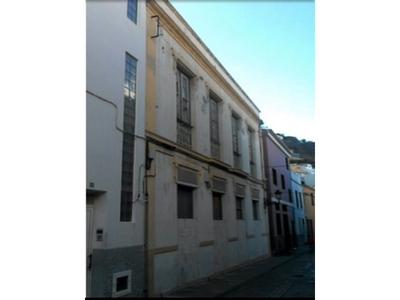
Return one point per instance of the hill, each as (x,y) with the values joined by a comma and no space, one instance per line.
(305,149)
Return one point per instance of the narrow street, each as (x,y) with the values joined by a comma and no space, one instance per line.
(293,279)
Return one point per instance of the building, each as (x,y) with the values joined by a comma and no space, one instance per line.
(298,209)
(203,173)
(279,193)
(309,201)
(115,159)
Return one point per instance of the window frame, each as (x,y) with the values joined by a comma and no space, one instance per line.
(185,206)
(239,208)
(274,177)
(128,139)
(283,182)
(236,147)
(132,10)
(256,211)
(217,213)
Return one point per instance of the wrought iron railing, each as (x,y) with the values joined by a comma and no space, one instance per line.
(215,150)
(253,169)
(236,160)
(184,135)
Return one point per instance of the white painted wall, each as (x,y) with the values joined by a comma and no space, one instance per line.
(109,35)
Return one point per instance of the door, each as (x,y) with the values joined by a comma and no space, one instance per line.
(89,226)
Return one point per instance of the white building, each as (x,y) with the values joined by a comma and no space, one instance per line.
(115,102)
(204,176)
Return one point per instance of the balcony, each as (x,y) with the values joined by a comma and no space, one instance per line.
(184,135)
(236,160)
(253,169)
(215,150)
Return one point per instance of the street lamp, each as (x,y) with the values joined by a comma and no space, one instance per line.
(278,195)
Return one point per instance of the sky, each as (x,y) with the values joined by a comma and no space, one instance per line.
(268,48)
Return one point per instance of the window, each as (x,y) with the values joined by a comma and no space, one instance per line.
(185,202)
(312,199)
(251,152)
(132,10)
(278,224)
(274,177)
(287,163)
(214,128)
(283,181)
(297,199)
(239,208)
(184,135)
(128,139)
(301,200)
(217,206)
(121,283)
(290,195)
(255,210)
(235,140)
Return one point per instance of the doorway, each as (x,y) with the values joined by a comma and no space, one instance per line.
(89,229)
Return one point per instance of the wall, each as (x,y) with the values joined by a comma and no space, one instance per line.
(109,35)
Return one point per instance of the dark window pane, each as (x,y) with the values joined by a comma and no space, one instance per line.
(185,202)
(217,206)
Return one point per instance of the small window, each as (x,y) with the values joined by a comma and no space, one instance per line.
(239,208)
(274,177)
(217,206)
(121,283)
(297,199)
(283,182)
(132,10)
(185,202)
(290,195)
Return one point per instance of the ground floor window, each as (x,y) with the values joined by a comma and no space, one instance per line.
(185,202)
(217,206)
(239,208)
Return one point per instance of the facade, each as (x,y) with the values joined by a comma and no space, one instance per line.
(309,201)
(115,104)
(277,171)
(203,173)
(307,173)
(298,209)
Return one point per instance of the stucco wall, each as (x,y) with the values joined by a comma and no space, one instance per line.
(110,34)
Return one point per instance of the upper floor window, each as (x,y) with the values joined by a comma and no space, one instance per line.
(251,152)
(235,140)
(184,133)
(274,177)
(132,10)
(283,182)
(214,127)
(290,195)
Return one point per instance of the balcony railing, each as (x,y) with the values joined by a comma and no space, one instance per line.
(184,135)
(253,169)
(236,160)
(215,150)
